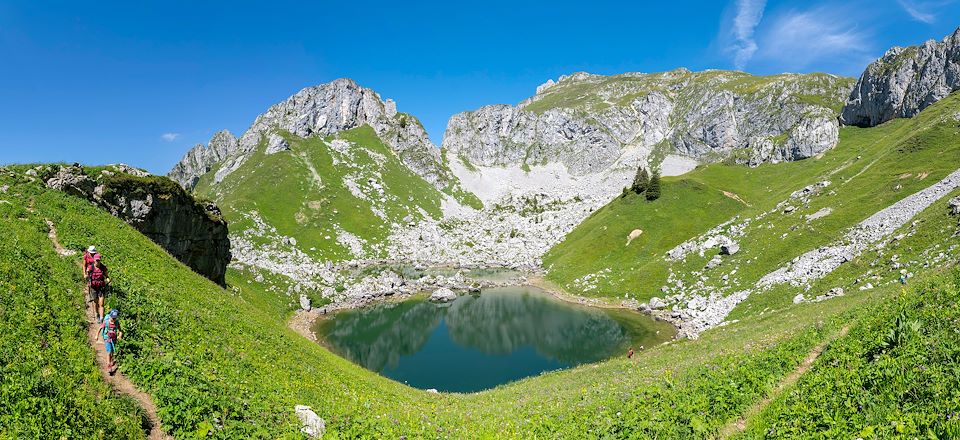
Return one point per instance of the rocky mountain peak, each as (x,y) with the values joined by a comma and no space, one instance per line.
(320,110)
(904,81)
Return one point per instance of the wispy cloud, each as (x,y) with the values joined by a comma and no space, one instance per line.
(921,11)
(749,13)
(798,39)
(170,137)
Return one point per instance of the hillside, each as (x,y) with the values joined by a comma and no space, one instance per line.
(775,213)
(220,363)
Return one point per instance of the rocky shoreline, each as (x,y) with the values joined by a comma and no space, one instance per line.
(305,318)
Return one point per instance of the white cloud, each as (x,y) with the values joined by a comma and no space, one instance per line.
(170,137)
(749,13)
(797,39)
(921,11)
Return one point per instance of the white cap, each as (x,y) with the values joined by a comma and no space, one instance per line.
(92,249)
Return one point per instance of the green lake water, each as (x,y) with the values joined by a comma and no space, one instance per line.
(481,341)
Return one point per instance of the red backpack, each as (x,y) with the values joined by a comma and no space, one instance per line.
(111,330)
(98,277)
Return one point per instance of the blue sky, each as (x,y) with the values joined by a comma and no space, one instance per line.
(105,82)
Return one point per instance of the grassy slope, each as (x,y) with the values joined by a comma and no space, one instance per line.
(896,375)
(694,203)
(282,188)
(214,357)
(49,383)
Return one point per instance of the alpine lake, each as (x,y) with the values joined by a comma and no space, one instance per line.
(482,340)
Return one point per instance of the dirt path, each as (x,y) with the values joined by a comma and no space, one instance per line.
(736,197)
(118,381)
(737,426)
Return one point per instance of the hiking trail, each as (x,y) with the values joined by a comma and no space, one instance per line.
(117,381)
(737,426)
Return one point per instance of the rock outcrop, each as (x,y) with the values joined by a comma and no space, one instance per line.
(588,121)
(904,81)
(443,294)
(316,111)
(193,232)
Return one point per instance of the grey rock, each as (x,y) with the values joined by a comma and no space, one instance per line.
(729,248)
(276,144)
(312,425)
(443,294)
(304,302)
(72,180)
(955,206)
(904,81)
(715,261)
(656,303)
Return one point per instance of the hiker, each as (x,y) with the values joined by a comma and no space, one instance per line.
(630,353)
(87,267)
(110,332)
(99,283)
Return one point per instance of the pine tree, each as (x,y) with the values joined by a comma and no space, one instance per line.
(641,181)
(653,189)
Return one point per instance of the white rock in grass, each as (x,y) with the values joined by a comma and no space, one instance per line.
(313,425)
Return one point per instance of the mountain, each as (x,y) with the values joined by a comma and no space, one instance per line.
(316,111)
(589,122)
(335,174)
(904,81)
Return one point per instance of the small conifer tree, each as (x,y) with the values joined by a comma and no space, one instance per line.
(641,181)
(653,188)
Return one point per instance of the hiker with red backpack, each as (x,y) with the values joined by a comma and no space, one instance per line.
(99,283)
(87,267)
(111,333)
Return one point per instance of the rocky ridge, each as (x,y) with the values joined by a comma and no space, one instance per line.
(193,232)
(587,122)
(316,111)
(904,81)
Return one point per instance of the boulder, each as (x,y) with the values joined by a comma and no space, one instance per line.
(312,425)
(304,303)
(729,248)
(715,261)
(443,294)
(656,303)
(955,206)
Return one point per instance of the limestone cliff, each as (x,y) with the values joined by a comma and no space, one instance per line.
(904,81)
(586,121)
(321,110)
(192,231)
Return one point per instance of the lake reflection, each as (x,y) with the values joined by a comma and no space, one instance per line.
(478,342)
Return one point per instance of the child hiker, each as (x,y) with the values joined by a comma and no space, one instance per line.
(110,332)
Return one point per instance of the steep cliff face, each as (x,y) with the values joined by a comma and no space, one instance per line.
(587,121)
(317,111)
(904,81)
(193,232)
